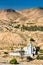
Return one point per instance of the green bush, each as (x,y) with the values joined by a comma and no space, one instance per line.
(13,61)
(39,57)
(41,51)
(32,28)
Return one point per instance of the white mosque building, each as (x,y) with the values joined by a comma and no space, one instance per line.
(28,51)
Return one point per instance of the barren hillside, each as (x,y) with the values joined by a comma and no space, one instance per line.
(18,26)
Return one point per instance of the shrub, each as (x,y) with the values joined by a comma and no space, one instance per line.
(29,58)
(37,57)
(37,49)
(13,61)
(31,39)
(17,26)
(41,51)
(11,48)
(41,58)
(5,52)
(32,28)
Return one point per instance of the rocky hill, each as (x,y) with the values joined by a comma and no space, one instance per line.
(18,26)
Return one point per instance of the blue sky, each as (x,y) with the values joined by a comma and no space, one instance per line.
(20,4)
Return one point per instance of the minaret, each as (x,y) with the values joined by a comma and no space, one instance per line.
(30,49)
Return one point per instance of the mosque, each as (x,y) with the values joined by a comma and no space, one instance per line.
(29,51)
